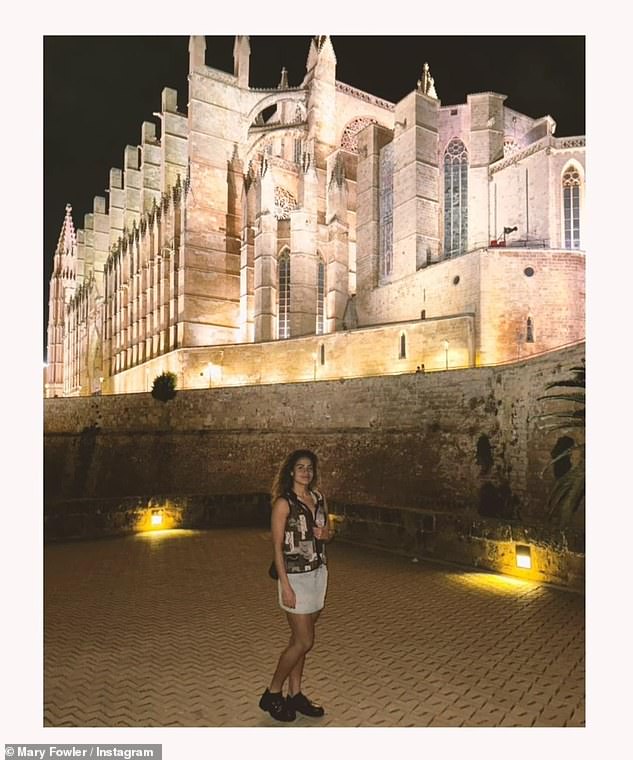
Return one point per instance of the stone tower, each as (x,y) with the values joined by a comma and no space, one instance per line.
(415,183)
(321,79)
(62,288)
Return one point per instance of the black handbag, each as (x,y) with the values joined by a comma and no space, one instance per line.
(272,571)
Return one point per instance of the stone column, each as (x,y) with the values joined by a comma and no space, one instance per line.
(322,119)
(370,141)
(132,187)
(247,263)
(486,146)
(115,213)
(337,255)
(101,241)
(150,167)
(303,255)
(265,259)
(415,184)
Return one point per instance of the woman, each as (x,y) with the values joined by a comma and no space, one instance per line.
(299,528)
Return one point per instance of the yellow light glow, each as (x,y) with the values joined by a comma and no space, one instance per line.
(158,537)
(524,557)
(157,520)
(492,582)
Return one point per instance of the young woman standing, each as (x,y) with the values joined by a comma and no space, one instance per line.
(299,527)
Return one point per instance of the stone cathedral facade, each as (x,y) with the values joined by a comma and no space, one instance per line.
(315,232)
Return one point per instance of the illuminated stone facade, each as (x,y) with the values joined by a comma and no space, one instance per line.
(317,231)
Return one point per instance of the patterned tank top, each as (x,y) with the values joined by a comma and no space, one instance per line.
(302,551)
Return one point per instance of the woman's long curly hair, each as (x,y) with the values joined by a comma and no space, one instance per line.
(283,480)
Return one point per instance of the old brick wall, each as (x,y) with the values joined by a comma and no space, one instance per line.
(408,440)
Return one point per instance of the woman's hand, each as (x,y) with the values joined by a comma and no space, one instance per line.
(288,597)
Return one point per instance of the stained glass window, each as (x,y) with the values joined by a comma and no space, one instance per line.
(455,198)
(320,305)
(283,291)
(385,210)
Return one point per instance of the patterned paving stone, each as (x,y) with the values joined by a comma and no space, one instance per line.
(182,629)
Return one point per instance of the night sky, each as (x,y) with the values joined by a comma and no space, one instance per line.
(98,91)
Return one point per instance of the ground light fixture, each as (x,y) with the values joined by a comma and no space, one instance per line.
(524,556)
(156,518)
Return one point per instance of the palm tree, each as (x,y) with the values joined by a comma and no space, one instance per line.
(568,493)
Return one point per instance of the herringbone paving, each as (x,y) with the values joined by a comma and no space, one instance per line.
(182,628)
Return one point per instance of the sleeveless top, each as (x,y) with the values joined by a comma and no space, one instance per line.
(302,551)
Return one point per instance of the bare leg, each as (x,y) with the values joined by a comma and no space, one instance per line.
(301,640)
(294,677)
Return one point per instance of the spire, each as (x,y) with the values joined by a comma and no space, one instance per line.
(312,55)
(283,82)
(241,60)
(321,49)
(426,84)
(67,237)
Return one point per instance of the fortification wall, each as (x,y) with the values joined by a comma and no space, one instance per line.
(458,446)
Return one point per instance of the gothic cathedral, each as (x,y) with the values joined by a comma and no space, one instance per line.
(319,232)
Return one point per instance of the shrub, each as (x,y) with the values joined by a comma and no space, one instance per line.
(164,387)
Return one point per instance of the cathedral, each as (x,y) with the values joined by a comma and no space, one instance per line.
(293,234)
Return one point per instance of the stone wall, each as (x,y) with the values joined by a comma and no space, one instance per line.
(461,449)
(493,285)
(342,354)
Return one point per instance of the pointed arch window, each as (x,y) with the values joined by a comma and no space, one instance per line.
(320,300)
(402,348)
(283,295)
(571,206)
(455,198)
(298,151)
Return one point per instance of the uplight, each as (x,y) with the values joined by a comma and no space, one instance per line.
(157,519)
(524,556)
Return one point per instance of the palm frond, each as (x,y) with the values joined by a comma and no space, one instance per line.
(563,454)
(568,495)
(568,492)
(578,398)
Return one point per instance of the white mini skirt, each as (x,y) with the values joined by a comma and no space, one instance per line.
(309,589)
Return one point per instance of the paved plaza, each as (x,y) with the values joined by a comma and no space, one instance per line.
(182,628)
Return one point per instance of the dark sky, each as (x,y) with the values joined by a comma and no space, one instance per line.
(98,91)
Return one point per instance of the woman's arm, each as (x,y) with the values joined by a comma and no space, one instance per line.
(279,514)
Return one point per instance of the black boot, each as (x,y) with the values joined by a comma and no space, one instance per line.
(300,703)
(277,706)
